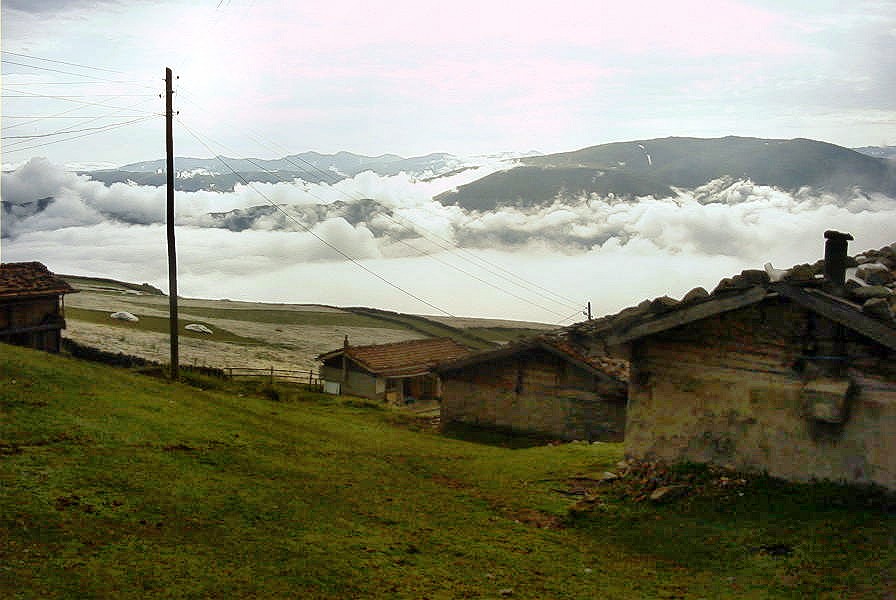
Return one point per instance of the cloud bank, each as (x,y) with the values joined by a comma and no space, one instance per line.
(612,252)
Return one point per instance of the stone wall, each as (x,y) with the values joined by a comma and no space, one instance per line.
(764,389)
(533,392)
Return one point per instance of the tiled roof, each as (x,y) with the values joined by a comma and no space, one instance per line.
(554,342)
(402,358)
(600,361)
(28,279)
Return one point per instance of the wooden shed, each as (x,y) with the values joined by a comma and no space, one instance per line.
(398,373)
(796,378)
(541,385)
(32,306)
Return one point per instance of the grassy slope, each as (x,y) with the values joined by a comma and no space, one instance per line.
(155,324)
(116,485)
(427,327)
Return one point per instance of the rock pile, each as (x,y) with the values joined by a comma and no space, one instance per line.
(654,481)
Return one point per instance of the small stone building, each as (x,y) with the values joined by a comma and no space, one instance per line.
(795,377)
(398,373)
(32,306)
(542,385)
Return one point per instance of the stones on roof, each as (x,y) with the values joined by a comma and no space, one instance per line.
(871,276)
(30,279)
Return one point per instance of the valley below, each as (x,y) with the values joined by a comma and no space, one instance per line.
(253,335)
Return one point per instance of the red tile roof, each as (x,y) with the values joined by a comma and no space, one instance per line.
(413,357)
(29,279)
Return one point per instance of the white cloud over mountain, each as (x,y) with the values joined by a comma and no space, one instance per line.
(606,250)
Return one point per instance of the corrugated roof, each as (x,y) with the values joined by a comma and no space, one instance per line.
(28,279)
(401,358)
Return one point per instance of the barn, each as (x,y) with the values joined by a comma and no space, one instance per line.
(397,373)
(791,373)
(32,306)
(541,385)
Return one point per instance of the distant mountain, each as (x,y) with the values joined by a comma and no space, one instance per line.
(655,167)
(878,151)
(222,173)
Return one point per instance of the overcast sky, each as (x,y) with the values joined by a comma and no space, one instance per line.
(271,77)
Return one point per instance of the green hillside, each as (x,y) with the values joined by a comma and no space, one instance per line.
(115,485)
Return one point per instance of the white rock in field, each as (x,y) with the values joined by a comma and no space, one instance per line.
(124,316)
(198,328)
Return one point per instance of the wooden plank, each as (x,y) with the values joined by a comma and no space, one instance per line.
(688,314)
(841,313)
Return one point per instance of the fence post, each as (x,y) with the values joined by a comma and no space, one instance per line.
(272,374)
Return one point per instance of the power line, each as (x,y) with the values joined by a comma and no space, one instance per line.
(82,102)
(451,248)
(417,250)
(339,251)
(61,62)
(91,77)
(22,94)
(107,128)
(42,135)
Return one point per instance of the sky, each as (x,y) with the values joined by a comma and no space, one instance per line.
(82,79)
(268,77)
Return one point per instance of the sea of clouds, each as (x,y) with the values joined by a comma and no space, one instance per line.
(538,263)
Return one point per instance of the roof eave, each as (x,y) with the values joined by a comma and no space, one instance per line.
(687,314)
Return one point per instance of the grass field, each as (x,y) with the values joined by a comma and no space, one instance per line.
(157,325)
(116,485)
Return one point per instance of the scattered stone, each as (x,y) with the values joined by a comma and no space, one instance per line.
(506,592)
(663,303)
(879,278)
(198,328)
(802,273)
(755,276)
(776,549)
(668,492)
(607,476)
(124,316)
(871,291)
(853,284)
(698,293)
(878,308)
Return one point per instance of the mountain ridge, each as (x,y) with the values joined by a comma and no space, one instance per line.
(658,166)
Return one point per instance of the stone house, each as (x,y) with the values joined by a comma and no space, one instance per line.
(398,373)
(32,306)
(542,385)
(791,373)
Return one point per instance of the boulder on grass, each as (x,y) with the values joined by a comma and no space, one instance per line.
(124,316)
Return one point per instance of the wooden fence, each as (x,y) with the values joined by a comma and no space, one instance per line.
(307,377)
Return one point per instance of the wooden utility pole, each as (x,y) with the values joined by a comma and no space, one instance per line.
(172,252)
(588,310)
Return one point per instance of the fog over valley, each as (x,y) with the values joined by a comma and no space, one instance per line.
(527,260)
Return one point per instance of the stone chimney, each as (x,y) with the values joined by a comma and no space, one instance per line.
(835,258)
